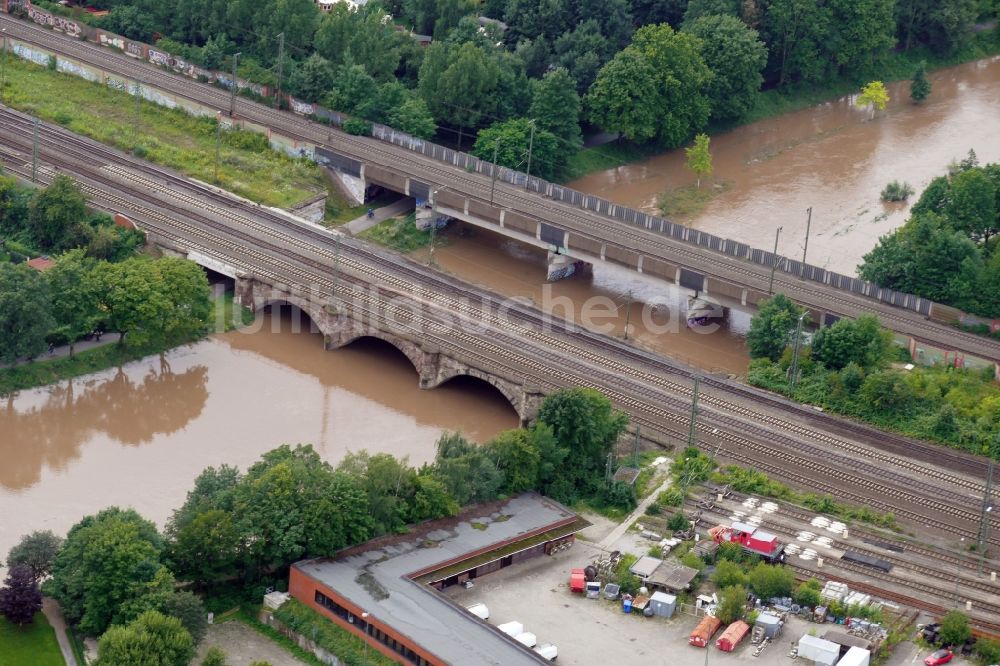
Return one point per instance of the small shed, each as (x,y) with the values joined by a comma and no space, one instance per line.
(663,604)
(703,633)
(856,657)
(770,623)
(672,577)
(823,653)
(645,566)
(706,548)
(732,636)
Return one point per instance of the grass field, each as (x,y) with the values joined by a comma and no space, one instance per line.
(31,645)
(173,138)
(399,234)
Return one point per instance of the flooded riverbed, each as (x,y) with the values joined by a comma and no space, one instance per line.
(138,436)
(833,157)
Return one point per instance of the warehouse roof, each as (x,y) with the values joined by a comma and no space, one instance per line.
(378,577)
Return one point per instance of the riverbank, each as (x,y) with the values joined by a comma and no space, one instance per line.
(898,66)
(173,138)
(60,366)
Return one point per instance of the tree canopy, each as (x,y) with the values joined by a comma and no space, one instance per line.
(152,639)
(772,326)
(735,54)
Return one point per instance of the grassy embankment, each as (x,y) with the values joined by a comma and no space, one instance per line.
(774,102)
(43,372)
(400,234)
(170,137)
(34,644)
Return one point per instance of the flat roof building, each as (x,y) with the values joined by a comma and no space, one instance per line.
(386,590)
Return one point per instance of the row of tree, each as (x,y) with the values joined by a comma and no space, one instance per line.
(846,368)
(947,250)
(653,70)
(55,218)
(116,576)
(146,301)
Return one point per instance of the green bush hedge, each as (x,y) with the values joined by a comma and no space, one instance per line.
(350,649)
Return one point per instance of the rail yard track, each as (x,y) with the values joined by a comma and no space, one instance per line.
(478,185)
(271,245)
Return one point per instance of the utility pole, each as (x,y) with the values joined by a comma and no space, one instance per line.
(984,516)
(336,270)
(218,141)
(235,88)
(138,115)
(3,70)
(431,260)
(693,428)
(802,268)
(531,144)
(496,168)
(628,312)
(795,356)
(34,153)
(774,261)
(281,65)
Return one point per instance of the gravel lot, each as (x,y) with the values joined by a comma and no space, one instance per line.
(243,645)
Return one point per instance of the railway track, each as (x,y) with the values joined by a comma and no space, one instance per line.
(648,402)
(400,159)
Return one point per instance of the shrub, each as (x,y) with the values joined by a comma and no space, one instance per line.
(678,521)
(672,496)
(349,648)
(897,191)
(358,127)
(727,574)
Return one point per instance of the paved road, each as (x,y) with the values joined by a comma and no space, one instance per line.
(53,613)
(63,351)
(640,511)
(364,223)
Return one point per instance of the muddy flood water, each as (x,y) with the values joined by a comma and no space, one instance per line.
(138,437)
(655,310)
(833,157)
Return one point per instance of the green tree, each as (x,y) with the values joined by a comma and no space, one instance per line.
(728,574)
(449,13)
(291,504)
(186,287)
(555,107)
(20,597)
(955,629)
(862,341)
(75,291)
(736,57)
(215,656)
(698,9)
(769,581)
(152,639)
(14,200)
(887,393)
(796,32)
(699,158)
(106,560)
(413,117)
(517,459)
(360,36)
(625,98)
(354,90)
(941,24)
(585,424)
(510,141)
(37,551)
(873,95)
(25,312)
(466,470)
(206,548)
(133,301)
(389,484)
(732,604)
(920,87)
(771,327)
(807,593)
(460,85)
(312,78)
(431,499)
(582,52)
(861,33)
(56,213)
(972,205)
(189,609)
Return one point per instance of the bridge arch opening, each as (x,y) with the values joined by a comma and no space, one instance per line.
(288,316)
(384,350)
(483,392)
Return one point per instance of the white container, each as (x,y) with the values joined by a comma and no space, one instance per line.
(479,610)
(527,639)
(547,651)
(512,629)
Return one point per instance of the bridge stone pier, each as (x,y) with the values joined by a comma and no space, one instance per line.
(434,365)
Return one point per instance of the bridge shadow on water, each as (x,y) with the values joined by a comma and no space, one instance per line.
(376,370)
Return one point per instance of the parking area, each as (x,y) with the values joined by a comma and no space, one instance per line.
(592,632)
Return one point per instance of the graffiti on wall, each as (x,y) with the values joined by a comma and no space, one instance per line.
(71,28)
(106,39)
(117,84)
(303,108)
(134,49)
(37,57)
(70,67)
(160,58)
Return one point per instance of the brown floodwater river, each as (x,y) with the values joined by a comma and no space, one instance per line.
(833,157)
(139,435)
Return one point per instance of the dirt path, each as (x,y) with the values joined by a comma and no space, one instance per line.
(55,617)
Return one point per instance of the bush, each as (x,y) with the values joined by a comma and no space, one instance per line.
(678,521)
(358,127)
(727,574)
(350,649)
(672,496)
(769,581)
(897,191)
(807,594)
